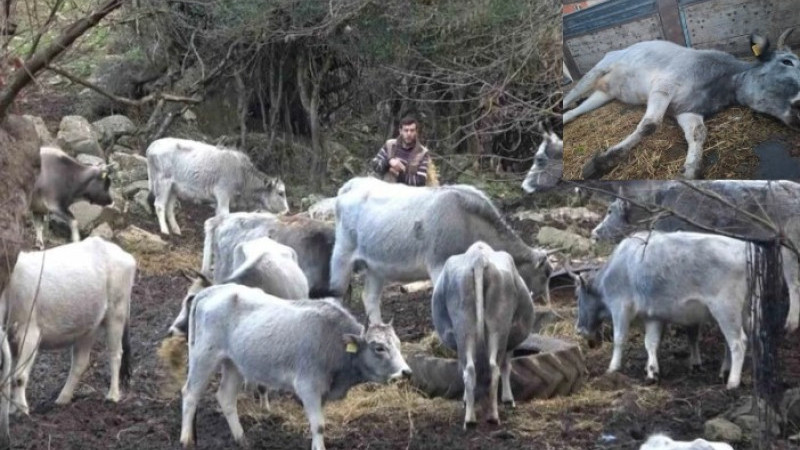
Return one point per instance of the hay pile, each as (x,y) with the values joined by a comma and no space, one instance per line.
(173,354)
(168,262)
(727,152)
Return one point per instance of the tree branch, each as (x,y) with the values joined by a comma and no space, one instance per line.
(42,58)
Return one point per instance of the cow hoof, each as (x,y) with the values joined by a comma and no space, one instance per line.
(470,425)
(651,380)
(509,404)
(113,398)
(732,385)
(493,421)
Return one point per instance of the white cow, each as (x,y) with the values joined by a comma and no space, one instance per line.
(664,442)
(201,172)
(83,286)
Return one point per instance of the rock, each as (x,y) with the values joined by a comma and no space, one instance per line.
(324,209)
(41,129)
(571,243)
(90,159)
(104,231)
(563,216)
(719,429)
(745,416)
(140,206)
(418,286)
(135,239)
(189,116)
(76,135)
(89,216)
(132,188)
(130,168)
(112,127)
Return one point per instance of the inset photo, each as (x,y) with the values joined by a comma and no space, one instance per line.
(667,89)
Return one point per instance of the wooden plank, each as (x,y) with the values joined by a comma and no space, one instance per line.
(726,24)
(671,21)
(587,50)
(574,71)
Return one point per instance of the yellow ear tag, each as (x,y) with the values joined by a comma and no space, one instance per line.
(104,175)
(756,50)
(351,347)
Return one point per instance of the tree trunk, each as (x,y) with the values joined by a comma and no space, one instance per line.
(309,82)
(44,56)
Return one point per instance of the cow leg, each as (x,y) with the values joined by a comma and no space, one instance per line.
(470,380)
(312,404)
(341,268)
(223,203)
(791,273)
(604,162)
(38,226)
(695,132)
(494,373)
(163,192)
(621,323)
(652,337)
(226,396)
(263,397)
(505,378)
(22,371)
(373,287)
(65,215)
(201,367)
(725,369)
(596,100)
(173,224)
(115,327)
(693,338)
(730,322)
(80,362)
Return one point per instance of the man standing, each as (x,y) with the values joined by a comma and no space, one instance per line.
(404,160)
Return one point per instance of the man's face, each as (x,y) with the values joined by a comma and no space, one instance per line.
(409,133)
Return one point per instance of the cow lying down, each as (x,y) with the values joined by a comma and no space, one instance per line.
(313,348)
(682,278)
(664,442)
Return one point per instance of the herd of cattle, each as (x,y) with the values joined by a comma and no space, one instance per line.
(249,312)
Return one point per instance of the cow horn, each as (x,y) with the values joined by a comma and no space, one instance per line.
(783,36)
(570,272)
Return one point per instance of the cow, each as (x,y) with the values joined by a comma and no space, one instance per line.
(313,348)
(688,84)
(402,233)
(684,278)
(482,308)
(312,240)
(62,182)
(661,441)
(776,202)
(84,286)
(260,263)
(180,168)
(548,165)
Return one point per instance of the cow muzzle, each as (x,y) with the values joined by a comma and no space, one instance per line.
(402,374)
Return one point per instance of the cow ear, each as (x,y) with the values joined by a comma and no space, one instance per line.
(760,46)
(352,343)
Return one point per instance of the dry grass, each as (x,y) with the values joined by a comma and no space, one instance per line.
(167,262)
(728,150)
(173,354)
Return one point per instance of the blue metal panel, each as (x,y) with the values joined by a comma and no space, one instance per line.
(607,14)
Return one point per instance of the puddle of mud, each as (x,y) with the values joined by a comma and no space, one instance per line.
(775,161)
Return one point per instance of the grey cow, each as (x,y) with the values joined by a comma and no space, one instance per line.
(690,85)
(402,233)
(777,202)
(83,287)
(62,182)
(260,263)
(683,278)
(548,165)
(315,349)
(180,168)
(312,240)
(482,308)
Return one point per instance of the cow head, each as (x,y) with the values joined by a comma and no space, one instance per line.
(272,196)
(180,326)
(377,353)
(97,188)
(536,273)
(773,85)
(616,224)
(591,309)
(548,165)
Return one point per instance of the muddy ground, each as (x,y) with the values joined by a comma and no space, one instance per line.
(610,412)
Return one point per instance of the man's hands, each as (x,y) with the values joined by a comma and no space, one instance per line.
(396,166)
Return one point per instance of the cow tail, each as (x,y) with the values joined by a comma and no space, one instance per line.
(479,301)
(210,228)
(125,368)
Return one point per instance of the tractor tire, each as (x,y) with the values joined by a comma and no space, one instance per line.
(542,367)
